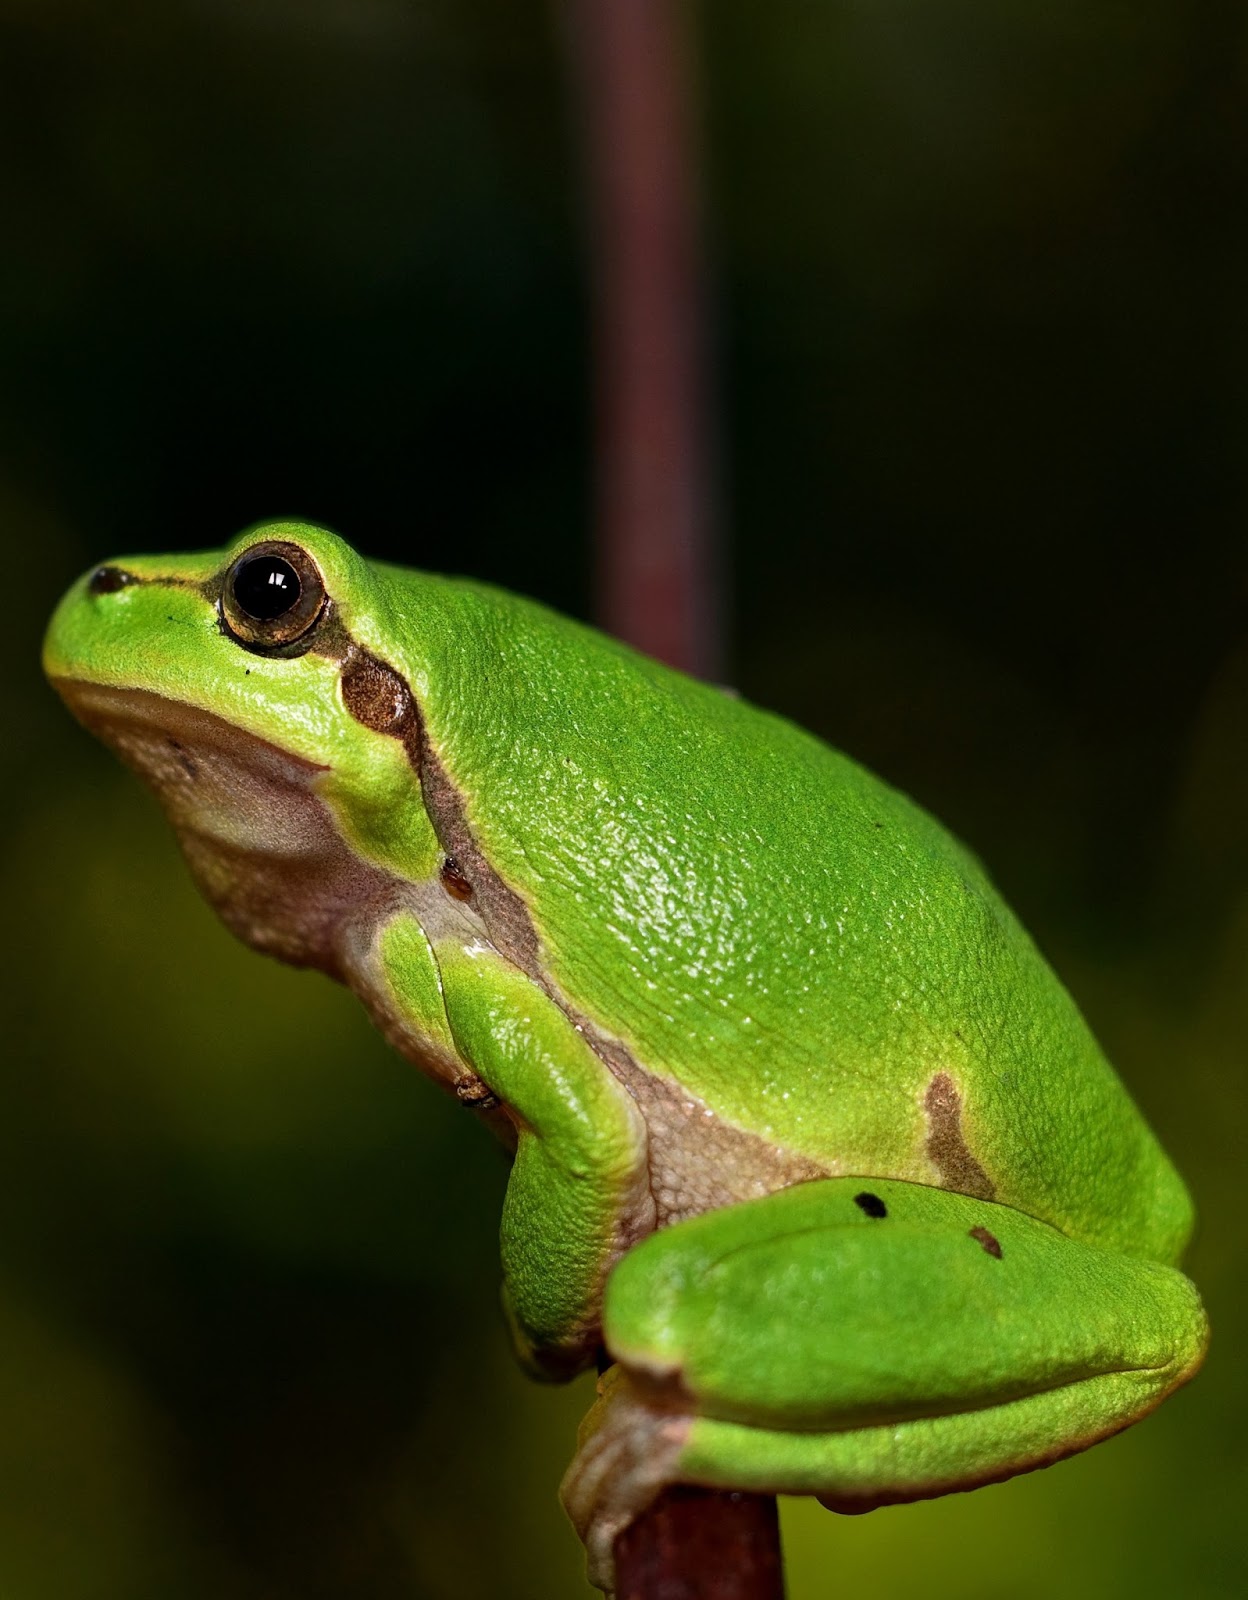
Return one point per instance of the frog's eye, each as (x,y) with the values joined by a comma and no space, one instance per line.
(273,596)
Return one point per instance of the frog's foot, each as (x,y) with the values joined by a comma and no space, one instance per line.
(867,1342)
(629,1448)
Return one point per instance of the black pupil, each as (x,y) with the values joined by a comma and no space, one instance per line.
(266,588)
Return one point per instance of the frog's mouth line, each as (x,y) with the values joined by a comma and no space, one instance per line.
(111,712)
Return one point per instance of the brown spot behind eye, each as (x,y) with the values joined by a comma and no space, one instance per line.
(453,880)
(871,1204)
(946,1148)
(375,695)
(475,1094)
(988,1241)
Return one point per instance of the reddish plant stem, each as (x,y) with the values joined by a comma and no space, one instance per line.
(657,583)
(702,1544)
(657,577)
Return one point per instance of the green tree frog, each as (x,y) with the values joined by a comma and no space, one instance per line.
(810,1144)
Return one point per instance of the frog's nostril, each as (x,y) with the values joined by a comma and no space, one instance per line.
(107,580)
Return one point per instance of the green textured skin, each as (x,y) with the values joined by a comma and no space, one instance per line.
(576,1150)
(918,1459)
(795,949)
(739,1303)
(765,923)
(578,1140)
(415,980)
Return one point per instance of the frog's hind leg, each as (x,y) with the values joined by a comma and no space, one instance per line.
(867,1342)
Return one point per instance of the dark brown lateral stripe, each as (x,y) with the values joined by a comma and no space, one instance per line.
(958,1168)
(380,699)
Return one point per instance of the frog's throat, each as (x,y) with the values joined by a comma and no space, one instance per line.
(260,842)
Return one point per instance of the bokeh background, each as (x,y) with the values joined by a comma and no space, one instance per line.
(978,274)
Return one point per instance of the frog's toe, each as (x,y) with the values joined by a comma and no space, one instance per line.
(628,1451)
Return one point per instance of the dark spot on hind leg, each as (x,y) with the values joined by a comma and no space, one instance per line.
(871,1204)
(988,1242)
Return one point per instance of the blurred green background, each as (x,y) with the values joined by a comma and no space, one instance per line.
(978,275)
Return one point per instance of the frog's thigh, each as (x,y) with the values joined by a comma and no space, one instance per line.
(869,1342)
(578,1188)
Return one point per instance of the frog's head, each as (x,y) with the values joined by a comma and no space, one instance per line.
(249,688)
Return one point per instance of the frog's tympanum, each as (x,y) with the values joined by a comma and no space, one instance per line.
(809,1142)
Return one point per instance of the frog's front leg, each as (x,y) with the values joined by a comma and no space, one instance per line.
(867,1342)
(579,1189)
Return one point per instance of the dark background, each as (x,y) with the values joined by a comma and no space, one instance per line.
(978,272)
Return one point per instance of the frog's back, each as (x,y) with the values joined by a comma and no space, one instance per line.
(762,922)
